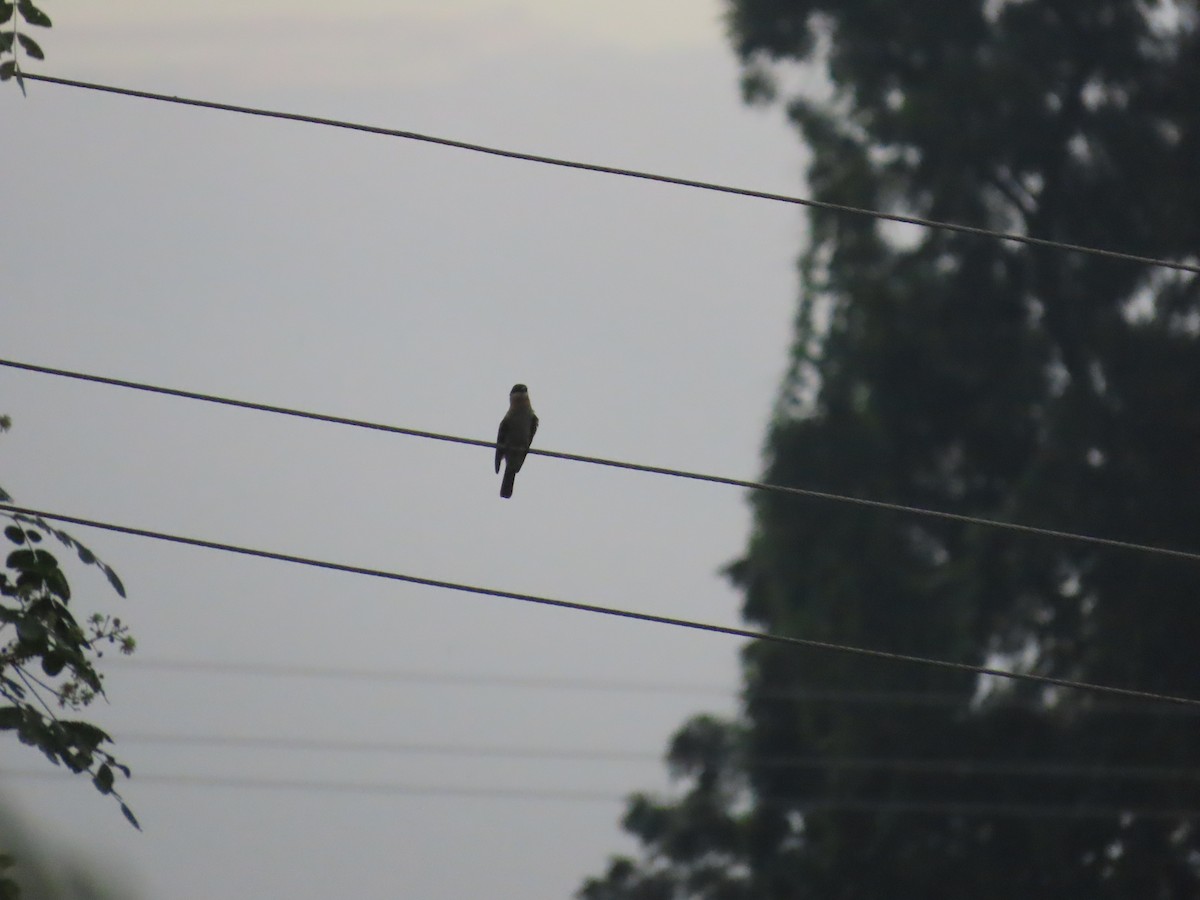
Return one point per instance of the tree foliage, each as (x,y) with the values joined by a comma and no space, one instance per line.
(947,371)
(14,41)
(48,658)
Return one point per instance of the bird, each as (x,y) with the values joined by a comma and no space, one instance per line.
(517,429)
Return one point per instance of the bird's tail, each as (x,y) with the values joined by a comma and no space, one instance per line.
(506,485)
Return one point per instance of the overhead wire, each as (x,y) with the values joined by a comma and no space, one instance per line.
(501,681)
(380,789)
(616,170)
(38,515)
(611,463)
(955,766)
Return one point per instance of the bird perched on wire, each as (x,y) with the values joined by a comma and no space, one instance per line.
(517,429)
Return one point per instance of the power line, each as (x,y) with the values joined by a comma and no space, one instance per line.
(392,748)
(948,766)
(614,170)
(475,680)
(612,463)
(841,696)
(37,516)
(804,805)
(271,670)
(344,787)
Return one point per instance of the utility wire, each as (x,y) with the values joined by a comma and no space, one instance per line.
(398,676)
(808,805)
(948,766)
(614,170)
(36,514)
(376,788)
(612,463)
(841,696)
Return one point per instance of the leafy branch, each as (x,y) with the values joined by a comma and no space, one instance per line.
(48,657)
(13,38)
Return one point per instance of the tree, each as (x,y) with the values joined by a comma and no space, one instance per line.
(946,371)
(48,658)
(13,12)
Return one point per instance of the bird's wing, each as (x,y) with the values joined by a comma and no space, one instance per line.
(501,440)
(533,428)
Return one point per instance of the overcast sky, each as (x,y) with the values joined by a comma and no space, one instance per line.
(397,282)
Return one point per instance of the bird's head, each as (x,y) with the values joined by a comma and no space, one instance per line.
(518,395)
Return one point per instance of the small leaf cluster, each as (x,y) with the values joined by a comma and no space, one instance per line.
(12,13)
(47,656)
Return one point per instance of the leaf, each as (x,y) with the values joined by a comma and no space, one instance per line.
(32,14)
(30,582)
(53,663)
(85,733)
(7,70)
(10,717)
(50,529)
(14,534)
(56,581)
(66,626)
(32,729)
(103,779)
(40,561)
(130,816)
(6,42)
(89,677)
(76,762)
(86,556)
(31,630)
(30,46)
(113,579)
(6,11)
(5,496)
(27,524)
(34,537)
(21,559)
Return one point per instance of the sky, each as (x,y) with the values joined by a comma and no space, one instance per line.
(409,284)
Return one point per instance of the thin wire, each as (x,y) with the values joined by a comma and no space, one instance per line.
(603,610)
(559,683)
(382,789)
(612,463)
(949,766)
(627,173)
(342,787)
(495,681)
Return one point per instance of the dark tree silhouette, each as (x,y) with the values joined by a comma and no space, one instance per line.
(955,372)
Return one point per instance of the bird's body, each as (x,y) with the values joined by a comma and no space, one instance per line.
(517,429)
